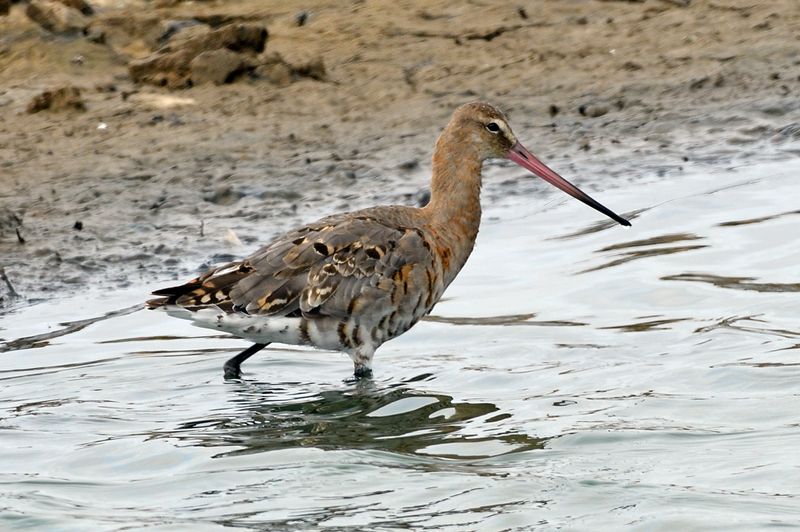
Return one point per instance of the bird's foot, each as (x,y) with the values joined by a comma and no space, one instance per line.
(231,367)
(360,372)
(232,372)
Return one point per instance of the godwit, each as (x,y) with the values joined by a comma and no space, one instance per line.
(350,282)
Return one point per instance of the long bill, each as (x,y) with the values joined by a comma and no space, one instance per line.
(520,155)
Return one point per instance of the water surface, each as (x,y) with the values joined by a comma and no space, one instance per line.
(577,375)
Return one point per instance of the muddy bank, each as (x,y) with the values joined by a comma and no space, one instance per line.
(120,178)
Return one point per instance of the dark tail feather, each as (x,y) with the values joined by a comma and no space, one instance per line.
(212,288)
(171,294)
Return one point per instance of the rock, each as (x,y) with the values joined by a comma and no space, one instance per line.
(171,65)
(275,70)
(217,66)
(66,98)
(593,110)
(300,18)
(314,69)
(80,5)
(180,30)
(234,37)
(56,17)
(166,70)
(278,71)
(129,34)
(94,34)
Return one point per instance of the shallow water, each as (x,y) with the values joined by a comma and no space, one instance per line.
(577,375)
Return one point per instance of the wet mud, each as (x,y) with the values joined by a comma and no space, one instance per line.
(141,140)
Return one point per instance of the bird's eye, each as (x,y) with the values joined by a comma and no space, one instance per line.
(493,127)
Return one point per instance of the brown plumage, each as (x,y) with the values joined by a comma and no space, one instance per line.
(355,280)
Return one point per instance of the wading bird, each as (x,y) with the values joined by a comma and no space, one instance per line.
(350,282)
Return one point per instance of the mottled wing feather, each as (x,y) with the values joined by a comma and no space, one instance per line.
(325,268)
(322,268)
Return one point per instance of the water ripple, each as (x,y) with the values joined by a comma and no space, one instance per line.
(733,283)
(525,403)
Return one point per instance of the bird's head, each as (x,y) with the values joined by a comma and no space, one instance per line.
(486,129)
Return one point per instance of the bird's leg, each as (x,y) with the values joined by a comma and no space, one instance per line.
(362,362)
(231,367)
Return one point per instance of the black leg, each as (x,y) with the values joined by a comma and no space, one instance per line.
(231,366)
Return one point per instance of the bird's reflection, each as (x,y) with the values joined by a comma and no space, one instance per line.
(395,418)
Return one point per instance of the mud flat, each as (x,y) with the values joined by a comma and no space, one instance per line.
(140,139)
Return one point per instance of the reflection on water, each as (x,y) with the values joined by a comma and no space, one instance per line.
(602,225)
(642,254)
(649,325)
(629,256)
(735,323)
(395,419)
(511,319)
(758,220)
(736,283)
(661,239)
(525,402)
(67,327)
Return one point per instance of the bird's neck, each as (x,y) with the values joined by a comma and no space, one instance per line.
(454,210)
